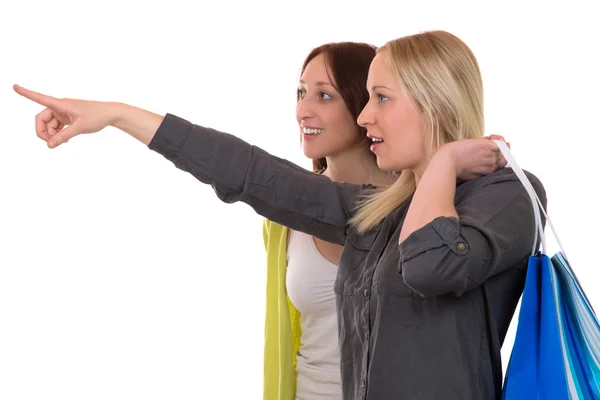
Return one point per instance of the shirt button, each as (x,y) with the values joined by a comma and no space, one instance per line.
(461,246)
(366,292)
(363,384)
(366,334)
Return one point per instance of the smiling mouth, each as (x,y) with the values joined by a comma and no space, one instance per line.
(312,131)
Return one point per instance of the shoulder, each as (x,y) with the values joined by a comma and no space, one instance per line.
(506,178)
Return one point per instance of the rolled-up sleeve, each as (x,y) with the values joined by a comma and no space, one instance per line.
(275,188)
(494,231)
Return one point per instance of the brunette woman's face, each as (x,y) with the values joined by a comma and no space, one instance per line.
(326,126)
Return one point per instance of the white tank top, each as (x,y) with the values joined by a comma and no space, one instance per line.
(309,281)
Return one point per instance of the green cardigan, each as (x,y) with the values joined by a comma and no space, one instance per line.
(282,320)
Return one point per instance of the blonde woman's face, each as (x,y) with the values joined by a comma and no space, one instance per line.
(393,120)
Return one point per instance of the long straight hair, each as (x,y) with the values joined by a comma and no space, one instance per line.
(442,75)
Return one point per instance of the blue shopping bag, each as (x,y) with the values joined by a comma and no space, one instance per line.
(556,353)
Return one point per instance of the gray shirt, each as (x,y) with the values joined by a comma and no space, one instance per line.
(421,320)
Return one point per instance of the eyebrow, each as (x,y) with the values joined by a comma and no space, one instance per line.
(318,83)
(380,87)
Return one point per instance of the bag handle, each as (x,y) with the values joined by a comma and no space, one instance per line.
(535,200)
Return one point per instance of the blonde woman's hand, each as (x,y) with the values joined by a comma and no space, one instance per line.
(63,119)
(473,158)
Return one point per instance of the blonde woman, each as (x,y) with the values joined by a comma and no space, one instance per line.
(432,267)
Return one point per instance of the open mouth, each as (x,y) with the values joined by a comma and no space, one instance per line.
(312,131)
(376,143)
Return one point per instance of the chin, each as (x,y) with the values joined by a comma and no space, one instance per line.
(312,153)
(384,166)
(391,165)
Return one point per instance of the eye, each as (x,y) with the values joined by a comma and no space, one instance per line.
(381,98)
(324,96)
(300,93)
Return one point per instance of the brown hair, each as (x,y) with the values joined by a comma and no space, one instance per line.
(349,63)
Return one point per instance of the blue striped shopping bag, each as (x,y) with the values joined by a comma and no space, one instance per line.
(556,353)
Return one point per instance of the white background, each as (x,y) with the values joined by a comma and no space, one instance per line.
(122,277)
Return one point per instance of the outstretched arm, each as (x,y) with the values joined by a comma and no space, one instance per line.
(275,188)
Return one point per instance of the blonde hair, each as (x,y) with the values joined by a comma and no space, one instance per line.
(442,75)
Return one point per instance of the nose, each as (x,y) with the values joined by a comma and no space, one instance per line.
(365,118)
(304,109)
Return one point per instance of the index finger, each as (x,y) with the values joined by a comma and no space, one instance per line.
(497,137)
(39,98)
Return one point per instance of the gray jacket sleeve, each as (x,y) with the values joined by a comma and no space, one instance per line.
(275,188)
(494,232)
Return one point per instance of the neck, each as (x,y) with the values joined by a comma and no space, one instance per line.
(358,166)
(420,170)
(418,173)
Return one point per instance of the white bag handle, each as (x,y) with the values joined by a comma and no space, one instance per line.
(535,200)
